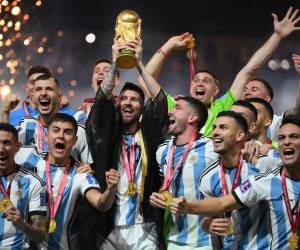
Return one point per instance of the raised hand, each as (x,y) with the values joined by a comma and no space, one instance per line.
(112,178)
(84,168)
(117,46)
(176,43)
(296,59)
(11,101)
(288,24)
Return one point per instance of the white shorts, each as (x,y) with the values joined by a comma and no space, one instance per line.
(130,237)
(174,246)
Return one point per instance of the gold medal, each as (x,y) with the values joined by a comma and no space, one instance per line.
(131,189)
(229,229)
(51,226)
(168,197)
(5,203)
(191,42)
(293,241)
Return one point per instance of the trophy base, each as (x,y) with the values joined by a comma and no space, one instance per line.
(126,59)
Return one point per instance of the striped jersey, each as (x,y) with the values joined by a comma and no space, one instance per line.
(186,228)
(273,130)
(28,195)
(76,185)
(251,228)
(127,207)
(29,135)
(268,187)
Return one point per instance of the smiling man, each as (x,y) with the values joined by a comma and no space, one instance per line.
(22,196)
(32,130)
(182,159)
(278,188)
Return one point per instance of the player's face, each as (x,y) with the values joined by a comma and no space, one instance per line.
(30,83)
(255,89)
(204,88)
(263,118)
(289,145)
(178,118)
(131,105)
(8,148)
(247,114)
(61,138)
(226,133)
(99,73)
(46,96)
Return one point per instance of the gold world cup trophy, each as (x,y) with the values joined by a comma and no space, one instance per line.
(128,28)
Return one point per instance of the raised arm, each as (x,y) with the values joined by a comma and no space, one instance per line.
(104,201)
(296,108)
(11,102)
(157,61)
(282,29)
(206,207)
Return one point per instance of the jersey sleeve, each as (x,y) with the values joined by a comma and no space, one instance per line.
(87,182)
(28,158)
(252,190)
(21,127)
(269,161)
(81,150)
(274,127)
(37,202)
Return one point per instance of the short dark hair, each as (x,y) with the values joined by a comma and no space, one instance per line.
(292,118)
(62,117)
(102,60)
(38,69)
(247,105)
(199,107)
(46,77)
(9,128)
(266,84)
(134,87)
(263,102)
(241,121)
(208,72)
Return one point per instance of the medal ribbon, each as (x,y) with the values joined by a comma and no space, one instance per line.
(168,176)
(6,192)
(26,109)
(192,68)
(129,165)
(225,190)
(53,205)
(40,135)
(294,224)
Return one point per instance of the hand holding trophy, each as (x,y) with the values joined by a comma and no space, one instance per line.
(128,28)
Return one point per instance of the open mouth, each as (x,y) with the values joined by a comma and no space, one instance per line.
(199,91)
(128,110)
(288,151)
(171,120)
(45,102)
(3,158)
(99,81)
(217,140)
(59,146)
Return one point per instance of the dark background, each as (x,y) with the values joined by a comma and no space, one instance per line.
(227,33)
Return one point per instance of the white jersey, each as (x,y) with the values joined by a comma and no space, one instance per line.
(268,187)
(28,195)
(127,207)
(273,130)
(76,185)
(186,229)
(251,225)
(29,135)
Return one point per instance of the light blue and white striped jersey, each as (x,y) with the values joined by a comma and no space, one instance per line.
(251,225)
(186,229)
(77,184)
(273,130)
(28,195)
(268,187)
(28,135)
(127,207)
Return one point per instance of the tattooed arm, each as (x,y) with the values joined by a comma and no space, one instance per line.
(35,232)
(109,81)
